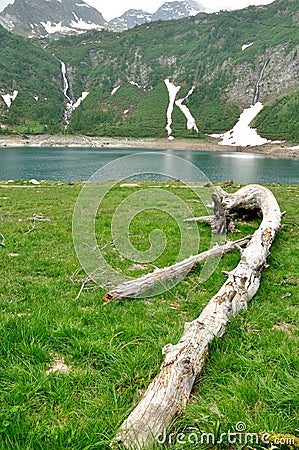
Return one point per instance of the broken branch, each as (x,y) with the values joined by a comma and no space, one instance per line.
(135,288)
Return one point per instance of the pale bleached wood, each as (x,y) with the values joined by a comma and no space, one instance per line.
(221,221)
(135,288)
(2,244)
(202,219)
(168,393)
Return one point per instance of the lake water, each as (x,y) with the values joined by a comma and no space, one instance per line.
(79,164)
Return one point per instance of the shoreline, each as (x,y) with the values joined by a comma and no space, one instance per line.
(275,150)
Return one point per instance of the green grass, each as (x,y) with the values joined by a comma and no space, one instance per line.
(113,352)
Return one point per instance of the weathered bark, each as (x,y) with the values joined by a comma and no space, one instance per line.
(168,394)
(135,288)
(221,221)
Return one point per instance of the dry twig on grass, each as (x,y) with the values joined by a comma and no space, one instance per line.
(2,244)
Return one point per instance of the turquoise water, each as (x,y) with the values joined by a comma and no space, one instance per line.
(79,164)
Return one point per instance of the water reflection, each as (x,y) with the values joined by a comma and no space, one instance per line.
(78,164)
(247,166)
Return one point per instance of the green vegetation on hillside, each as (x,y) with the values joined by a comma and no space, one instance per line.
(27,68)
(71,370)
(149,118)
(202,51)
(279,119)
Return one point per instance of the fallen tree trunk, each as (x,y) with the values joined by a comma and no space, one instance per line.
(168,394)
(137,287)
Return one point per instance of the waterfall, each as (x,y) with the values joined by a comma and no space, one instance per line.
(257,86)
(71,105)
(65,82)
(69,102)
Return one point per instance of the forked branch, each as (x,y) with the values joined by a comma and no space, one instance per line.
(135,288)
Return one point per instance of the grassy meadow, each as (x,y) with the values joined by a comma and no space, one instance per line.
(71,369)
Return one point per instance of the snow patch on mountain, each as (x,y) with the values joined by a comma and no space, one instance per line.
(114,90)
(80,100)
(191,122)
(79,25)
(244,46)
(242,134)
(133,83)
(82,25)
(172,92)
(53,28)
(9,98)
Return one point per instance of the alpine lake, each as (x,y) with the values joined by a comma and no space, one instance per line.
(80,164)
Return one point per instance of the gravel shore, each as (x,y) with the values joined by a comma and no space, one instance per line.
(276,150)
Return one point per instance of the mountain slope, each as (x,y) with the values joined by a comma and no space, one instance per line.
(280,118)
(216,64)
(222,55)
(31,78)
(37,18)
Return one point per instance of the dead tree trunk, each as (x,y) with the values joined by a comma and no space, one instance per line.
(137,287)
(168,394)
(221,222)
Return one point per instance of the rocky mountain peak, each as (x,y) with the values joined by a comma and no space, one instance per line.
(38,18)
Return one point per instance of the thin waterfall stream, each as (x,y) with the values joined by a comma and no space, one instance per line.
(69,102)
(257,86)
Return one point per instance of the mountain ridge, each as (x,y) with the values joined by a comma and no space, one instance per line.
(40,18)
